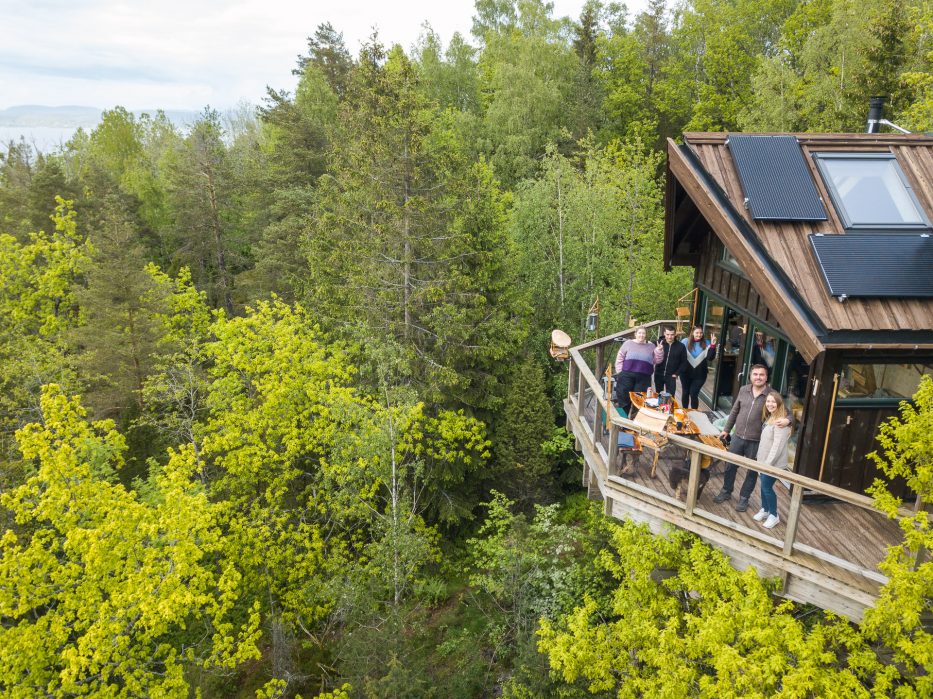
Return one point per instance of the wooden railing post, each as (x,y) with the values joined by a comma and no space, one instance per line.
(793,517)
(597,421)
(692,483)
(581,391)
(600,361)
(571,378)
(613,450)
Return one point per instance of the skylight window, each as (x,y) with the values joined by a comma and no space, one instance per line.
(870,191)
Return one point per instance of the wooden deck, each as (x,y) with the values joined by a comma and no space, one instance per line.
(825,550)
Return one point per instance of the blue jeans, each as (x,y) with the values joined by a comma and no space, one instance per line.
(742,447)
(768,496)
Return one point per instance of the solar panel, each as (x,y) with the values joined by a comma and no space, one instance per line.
(777,183)
(882,265)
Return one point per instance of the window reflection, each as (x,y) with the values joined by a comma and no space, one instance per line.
(764,352)
(881,381)
(712,325)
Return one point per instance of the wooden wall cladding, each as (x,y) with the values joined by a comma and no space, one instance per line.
(731,286)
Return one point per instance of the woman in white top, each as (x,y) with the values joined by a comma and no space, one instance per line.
(772,450)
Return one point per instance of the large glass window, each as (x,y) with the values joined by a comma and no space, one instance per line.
(870,191)
(881,381)
(712,327)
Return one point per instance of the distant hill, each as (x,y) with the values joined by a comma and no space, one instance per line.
(74,116)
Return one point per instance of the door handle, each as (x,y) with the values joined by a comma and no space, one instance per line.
(849,419)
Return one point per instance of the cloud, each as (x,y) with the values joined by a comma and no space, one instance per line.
(187,53)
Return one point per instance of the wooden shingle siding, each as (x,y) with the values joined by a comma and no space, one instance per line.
(723,282)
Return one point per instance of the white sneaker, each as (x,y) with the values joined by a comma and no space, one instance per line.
(760,515)
(771,521)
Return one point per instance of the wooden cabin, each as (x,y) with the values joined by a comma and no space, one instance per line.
(813,256)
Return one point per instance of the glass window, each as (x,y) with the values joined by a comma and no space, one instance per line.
(728,259)
(712,327)
(765,352)
(881,381)
(870,191)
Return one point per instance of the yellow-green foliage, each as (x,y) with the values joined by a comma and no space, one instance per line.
(101,594)
(36,304)
(36,278)
(684,622)
(897,618)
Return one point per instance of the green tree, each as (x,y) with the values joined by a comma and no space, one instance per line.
(717,45)
(328,54)
(17,168)
(38,304)
(898,618)
(118,332)
(594,230)
(201,188)
(102,594)
(523,424)
(528,69)
(833,55)
(295,138)
(682,621)
(408,247)
(637,71)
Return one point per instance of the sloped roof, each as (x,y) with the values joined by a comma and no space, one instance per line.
(777,255)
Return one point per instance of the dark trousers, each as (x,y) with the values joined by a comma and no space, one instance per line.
(664,383)
(690,398)
(742,447)
(626,381)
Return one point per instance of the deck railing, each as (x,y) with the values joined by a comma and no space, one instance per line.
(583,386)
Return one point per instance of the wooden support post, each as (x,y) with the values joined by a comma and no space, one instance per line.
(597,423)
(571,377)
(607,506)
(613,450)
(581,392)
(692,483)
(600,360)
(793,516)
(586,473)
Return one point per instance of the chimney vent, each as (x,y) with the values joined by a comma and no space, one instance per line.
(875,112)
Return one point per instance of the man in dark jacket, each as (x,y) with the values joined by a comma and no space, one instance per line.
(673,365)
(746,418)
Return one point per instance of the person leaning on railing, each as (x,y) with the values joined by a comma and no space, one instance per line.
(634,366)
(747,409)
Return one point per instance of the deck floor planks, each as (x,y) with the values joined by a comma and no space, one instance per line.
(839,529)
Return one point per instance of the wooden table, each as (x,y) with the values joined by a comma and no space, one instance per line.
(683,425)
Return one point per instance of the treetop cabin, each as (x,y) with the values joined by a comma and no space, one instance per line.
(813,257)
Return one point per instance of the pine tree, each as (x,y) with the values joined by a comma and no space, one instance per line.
(408,246)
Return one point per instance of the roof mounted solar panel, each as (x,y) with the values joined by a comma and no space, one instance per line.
(775,178)
(880,266)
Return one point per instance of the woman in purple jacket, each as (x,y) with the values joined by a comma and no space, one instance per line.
(635,364)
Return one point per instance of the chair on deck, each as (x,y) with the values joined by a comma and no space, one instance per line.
(683,317)
(560,345)
(656,423)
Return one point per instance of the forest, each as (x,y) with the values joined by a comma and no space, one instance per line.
(277,417)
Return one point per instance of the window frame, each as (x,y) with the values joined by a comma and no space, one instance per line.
(728,261)
(872,401)
(820,160)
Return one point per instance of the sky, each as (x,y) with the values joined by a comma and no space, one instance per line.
(186,54)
